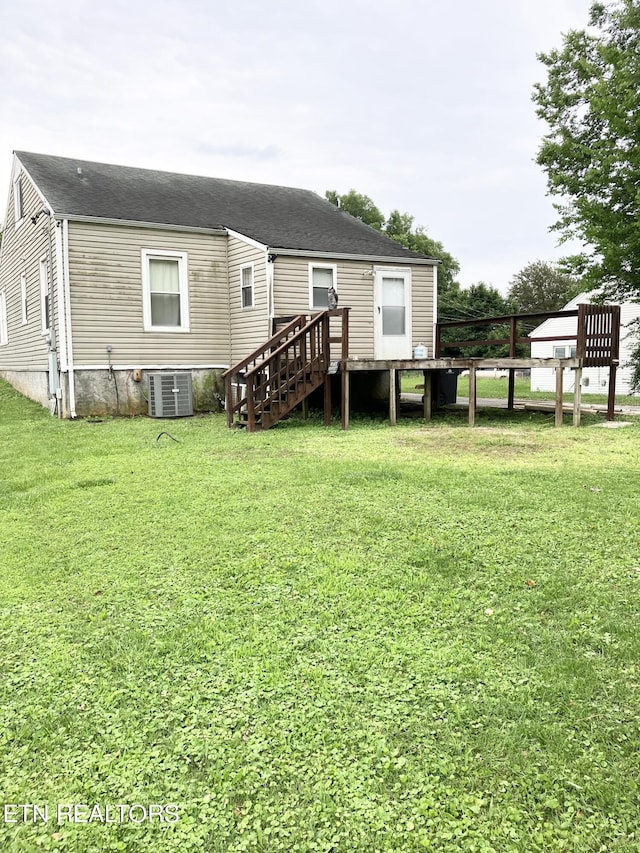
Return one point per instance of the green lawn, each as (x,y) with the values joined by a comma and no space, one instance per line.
(390,639)
(497,388)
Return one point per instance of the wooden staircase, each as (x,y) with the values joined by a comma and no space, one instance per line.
(268,384)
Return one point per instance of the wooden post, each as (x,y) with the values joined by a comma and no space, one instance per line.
(326,349)
(327,400)
(345,334)
(251,404)
(305,409)
(559,376)
(513,333)
(577,396)
(345,397)
(392,397)
(512,388)
(472,394)
(611,399)
(229,402)
(426,400)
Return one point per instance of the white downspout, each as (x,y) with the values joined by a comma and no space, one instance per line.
(67,317)
(62,331)
(61,335)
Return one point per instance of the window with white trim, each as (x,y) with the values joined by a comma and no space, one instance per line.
(4,337)
(23,297)
(321,278)
(246,285)
(45,308)
(165,291)
(18,211)
(564,352)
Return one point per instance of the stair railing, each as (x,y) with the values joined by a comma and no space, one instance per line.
(281,373)
(253,360)
(288,374)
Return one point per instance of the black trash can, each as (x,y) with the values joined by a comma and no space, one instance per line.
(447,386)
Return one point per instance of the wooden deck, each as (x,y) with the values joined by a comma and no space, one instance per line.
(432,367)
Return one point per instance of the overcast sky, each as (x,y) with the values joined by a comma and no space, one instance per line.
(423,106)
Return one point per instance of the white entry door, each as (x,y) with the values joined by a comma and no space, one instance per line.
(392,320)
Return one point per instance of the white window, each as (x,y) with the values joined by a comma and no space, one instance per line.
(4,338)
(246,285)
(45,307)
(564,352)
(165,291)
(17,201)
(321,278)
(23,297)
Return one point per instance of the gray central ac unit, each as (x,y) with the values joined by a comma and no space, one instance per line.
(170,395)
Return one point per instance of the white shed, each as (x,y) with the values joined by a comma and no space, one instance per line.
(595,380)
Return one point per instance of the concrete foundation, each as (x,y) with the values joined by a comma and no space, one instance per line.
(121,392)
(33,384)
(126,392)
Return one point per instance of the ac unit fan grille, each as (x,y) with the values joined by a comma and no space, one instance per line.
(170,395)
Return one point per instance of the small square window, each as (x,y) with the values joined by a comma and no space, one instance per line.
(559,352)
(246,285)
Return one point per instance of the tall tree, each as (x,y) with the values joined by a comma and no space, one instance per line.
(358,205)
(454,303)
(399,227)
(479,300)
(541,287)
(591,103)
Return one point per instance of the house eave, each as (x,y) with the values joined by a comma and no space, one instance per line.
(134,223)
(352,256)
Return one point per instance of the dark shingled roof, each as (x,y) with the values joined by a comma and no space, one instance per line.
(278,217)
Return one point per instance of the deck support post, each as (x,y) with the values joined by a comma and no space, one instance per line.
(558,409)
(392,397)
(327,400)
(345,397)
(577,396)
(426,400)
(611,399)
(513,334)
(512,389)
(472,394)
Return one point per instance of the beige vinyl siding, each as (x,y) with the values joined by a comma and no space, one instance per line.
(22,249)
(105,273)
(422,308)
(355,286)
(249,326)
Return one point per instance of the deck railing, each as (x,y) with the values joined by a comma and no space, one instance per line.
(597,332)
